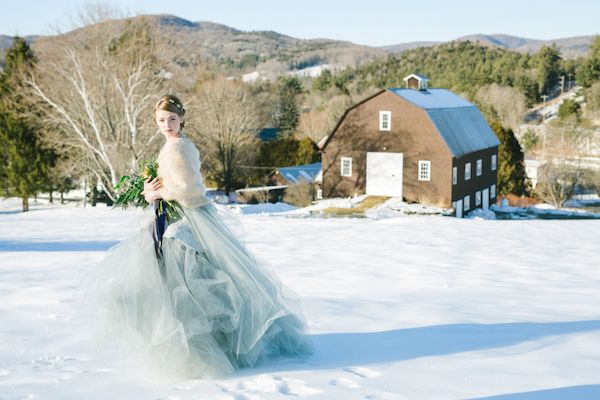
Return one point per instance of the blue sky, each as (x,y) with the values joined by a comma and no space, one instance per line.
(370,22)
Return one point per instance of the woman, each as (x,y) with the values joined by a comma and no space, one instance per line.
(202,305)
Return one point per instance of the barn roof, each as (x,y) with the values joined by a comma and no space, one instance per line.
(460,124)
(308,172)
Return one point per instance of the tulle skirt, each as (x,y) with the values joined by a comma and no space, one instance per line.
(205,308)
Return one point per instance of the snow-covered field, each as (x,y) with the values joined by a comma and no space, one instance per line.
(421,307)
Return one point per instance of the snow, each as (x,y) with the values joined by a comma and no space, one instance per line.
(399,307)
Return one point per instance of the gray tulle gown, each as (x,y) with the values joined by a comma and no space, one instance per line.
(205,308)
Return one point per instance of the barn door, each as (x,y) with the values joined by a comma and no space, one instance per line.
(384,174)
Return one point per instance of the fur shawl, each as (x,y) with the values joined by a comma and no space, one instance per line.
(179,173)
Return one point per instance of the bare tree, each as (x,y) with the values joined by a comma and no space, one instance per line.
(96,96)
(564,168)
(225,124)
(504,102)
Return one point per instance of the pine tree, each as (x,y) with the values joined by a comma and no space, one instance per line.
(511,165)
(287,116)
(25,162)
(548,68)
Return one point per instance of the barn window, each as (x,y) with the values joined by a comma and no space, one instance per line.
(467,203)
(385,120)
(424,170)
(493,162)
(493,191)
(319,194)
(467,171)
(479,167)
(346,168)
(478,198)
(454,175)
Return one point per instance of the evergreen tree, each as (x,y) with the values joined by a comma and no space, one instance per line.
(287,115)
(25,164)
(548,68)
(589,71)
(568,108)
(511,165)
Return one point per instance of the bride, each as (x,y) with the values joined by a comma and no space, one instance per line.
(202,305)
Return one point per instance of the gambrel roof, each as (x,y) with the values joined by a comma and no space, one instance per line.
(459,123)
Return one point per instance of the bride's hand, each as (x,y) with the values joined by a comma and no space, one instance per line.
(151,190)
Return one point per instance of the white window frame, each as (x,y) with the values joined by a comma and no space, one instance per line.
(319,194)
(493,191)
(454,175)
(494,162)
(467,171)
(342,160)
(479,167)
(388,114)
(427,169)
(466,203)
(478,198)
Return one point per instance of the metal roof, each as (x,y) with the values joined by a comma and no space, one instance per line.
(431,98)
(460,124)
(297,173)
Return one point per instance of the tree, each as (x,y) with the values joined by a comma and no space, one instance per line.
(548,68)
(588,72)
(569,108)
(502,102)
(97,96)
(287,114)
(511,165)
(226,124)
(25,162)
(563,172)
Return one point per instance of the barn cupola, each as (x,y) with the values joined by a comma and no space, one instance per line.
(416,82)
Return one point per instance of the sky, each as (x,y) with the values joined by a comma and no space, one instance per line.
(368,22)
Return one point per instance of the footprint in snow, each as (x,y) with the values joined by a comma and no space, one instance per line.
(263,384)
(362,372)
(343,382)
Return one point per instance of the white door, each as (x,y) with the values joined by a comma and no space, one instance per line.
(486,199)
(458,206)
(384,174)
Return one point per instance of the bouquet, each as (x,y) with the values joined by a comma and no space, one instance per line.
(130,187)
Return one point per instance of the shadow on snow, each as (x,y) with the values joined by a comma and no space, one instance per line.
(16,245)
(583,392)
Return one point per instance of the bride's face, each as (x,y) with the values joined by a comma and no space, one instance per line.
(169,123)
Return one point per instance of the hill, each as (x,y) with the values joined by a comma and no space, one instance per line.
(572,47)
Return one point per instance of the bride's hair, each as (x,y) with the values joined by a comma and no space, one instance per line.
(170,103)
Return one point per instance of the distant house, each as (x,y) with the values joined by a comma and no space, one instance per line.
(310,173)
(426,145)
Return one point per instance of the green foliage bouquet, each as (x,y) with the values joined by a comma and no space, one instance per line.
(130,187)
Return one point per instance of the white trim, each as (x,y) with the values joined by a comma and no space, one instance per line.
(479,167)
(343,172)
(387,114)
(454,175)
(494,162)
(467,171)
(424,170)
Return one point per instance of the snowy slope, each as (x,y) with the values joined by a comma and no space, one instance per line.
(423,307)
